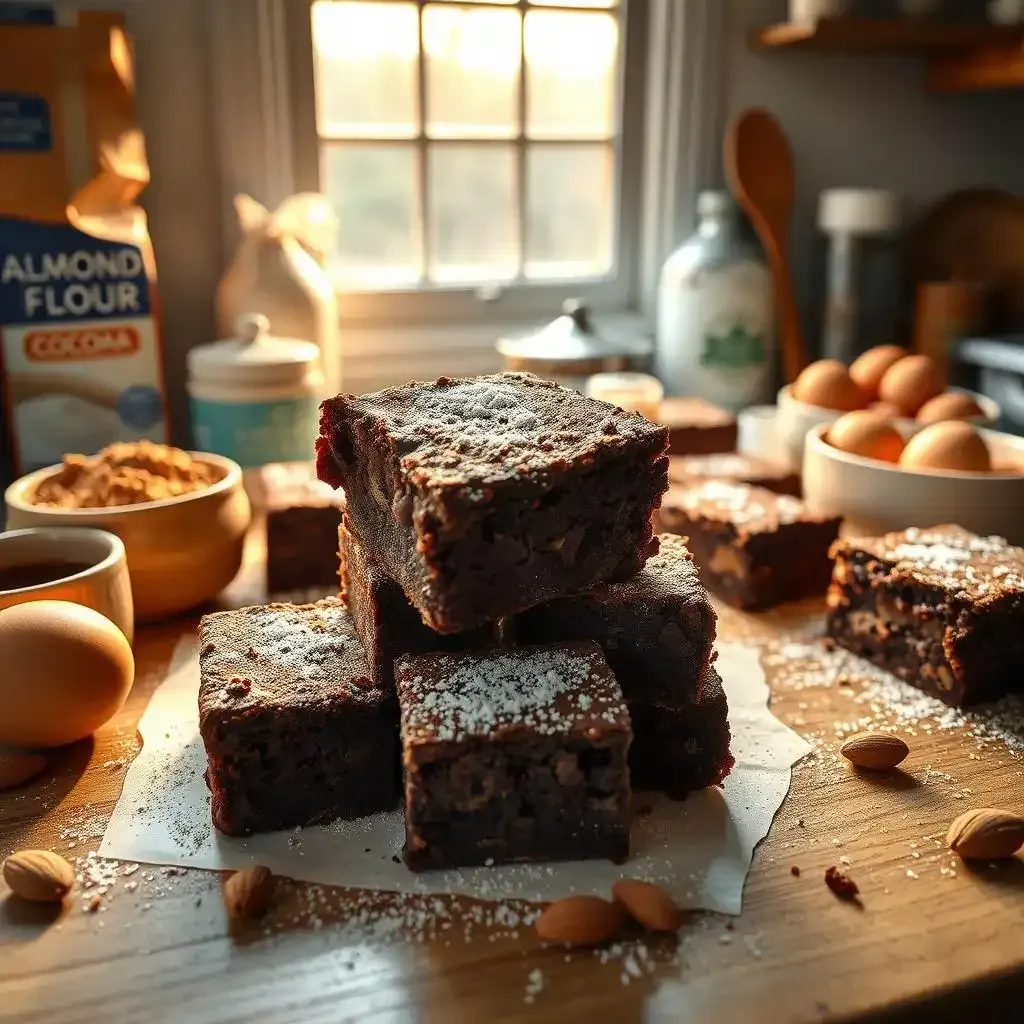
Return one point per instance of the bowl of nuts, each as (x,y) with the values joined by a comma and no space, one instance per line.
(182,516)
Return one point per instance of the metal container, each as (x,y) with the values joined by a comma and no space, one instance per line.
(572,348)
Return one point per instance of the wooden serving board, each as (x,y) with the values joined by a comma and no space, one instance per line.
(145,944)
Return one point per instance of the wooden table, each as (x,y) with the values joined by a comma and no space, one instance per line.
(158,946)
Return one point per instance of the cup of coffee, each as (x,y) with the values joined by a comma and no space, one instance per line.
(85,566)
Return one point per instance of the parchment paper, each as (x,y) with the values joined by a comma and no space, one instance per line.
(699,849)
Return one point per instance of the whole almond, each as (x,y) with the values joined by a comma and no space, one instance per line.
(39,875)
(580,921)
(247,892)
(16,769)
(649,904)
(986,833)
(876,750)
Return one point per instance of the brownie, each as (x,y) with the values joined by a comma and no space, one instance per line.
(696,427)
(735,468)
(657,628)
(295,731)
(513,756)
(679,750)
(386,622)
(941,608)
(303,516)
(485,496)
(754,549)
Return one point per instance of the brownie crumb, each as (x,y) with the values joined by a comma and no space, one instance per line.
(842,885)
(794,871)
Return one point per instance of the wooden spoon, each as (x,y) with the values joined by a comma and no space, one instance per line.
(759,165)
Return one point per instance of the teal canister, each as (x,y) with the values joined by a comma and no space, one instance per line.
(255,398)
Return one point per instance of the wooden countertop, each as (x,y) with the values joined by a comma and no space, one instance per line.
(158,947)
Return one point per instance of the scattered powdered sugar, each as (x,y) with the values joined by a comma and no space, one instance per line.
(481,408)
(548,690)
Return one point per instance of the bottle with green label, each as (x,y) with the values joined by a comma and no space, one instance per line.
(716,319)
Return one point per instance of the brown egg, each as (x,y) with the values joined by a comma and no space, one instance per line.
(886,410)
(909,383)
(952,405)
(868,369)
(828,385)
(66,670)
(950,445)
(867,434)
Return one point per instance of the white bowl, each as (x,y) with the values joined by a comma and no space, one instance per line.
(875,497)
(102,584)
(796,418)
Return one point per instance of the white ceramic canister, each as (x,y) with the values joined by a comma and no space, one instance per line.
(255,398)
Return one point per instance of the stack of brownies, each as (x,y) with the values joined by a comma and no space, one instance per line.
(512,652)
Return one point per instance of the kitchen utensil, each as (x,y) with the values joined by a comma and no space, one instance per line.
(810,11)
(759,165)
(847,215)
(572,348)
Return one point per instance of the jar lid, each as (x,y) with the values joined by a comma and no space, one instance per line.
(571,338)
(715,203)
(253,355)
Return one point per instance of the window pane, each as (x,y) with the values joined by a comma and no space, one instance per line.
(570,210)
(365,61)
(571,3)
(473,213)
(373,190)
(571,62)
(472,71)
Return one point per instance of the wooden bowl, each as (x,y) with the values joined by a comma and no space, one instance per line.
(876,497)
(181,551)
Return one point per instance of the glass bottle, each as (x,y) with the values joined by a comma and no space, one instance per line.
(715,329)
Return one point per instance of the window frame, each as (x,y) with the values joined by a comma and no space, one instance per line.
(516,301)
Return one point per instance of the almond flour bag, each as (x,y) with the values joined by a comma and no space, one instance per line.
(79,338)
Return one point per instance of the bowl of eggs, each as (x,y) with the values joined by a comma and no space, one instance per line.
(880,477)
(900,386)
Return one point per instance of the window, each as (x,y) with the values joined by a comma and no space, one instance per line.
(482,151)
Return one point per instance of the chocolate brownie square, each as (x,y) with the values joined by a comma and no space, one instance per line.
(303,515)
(657,628)
(386,622)
(295,730)
(696,427)
(513,756)
(679,750)
(735,468)
(941,608)
(754,549)
(485,496)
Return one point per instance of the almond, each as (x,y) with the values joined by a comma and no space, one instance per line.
(649,904)
(874,750)
(580,920)
(16,769)
(247,892)
(39,875)
(986,834)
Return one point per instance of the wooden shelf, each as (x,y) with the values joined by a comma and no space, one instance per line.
(987,67)
(897,35)
(961,58)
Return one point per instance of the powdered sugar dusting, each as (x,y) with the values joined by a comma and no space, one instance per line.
(963,565)
(742,504)
(550,690)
